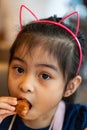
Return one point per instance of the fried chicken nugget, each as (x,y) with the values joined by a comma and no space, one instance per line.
(22,107)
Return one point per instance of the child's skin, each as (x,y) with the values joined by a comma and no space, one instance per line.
(7,107)
(36,77)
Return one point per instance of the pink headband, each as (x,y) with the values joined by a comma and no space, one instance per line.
(60,25)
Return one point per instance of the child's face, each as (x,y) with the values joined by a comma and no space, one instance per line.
(36,77)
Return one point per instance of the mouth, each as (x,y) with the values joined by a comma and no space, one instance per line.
(27,102)
(23,107)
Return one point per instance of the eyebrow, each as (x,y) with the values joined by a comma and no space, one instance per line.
(37,65)
(48,66)
(17,58)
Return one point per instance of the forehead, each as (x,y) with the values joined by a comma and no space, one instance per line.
(27,42)
(37,52)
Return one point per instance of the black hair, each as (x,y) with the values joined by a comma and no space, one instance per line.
(57,42)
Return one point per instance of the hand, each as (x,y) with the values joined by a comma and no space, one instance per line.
(85,128)
(7,107)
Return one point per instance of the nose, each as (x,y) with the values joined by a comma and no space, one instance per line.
(27,84)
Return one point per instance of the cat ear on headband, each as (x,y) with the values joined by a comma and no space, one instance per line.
(78,20)
(20,14)
(74,35)
(37,19)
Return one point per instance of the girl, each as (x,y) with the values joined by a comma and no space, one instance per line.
(44,65)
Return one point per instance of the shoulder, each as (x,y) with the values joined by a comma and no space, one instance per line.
(79,108)
(75,116)
(18,124)
(5,123)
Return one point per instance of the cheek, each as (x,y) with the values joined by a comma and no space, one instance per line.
(48,100)
(12,85)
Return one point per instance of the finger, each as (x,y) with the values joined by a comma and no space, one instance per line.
(6,106)
(85,129)
(9,100)
(2,112)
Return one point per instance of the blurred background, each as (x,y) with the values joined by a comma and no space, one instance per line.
(9,27)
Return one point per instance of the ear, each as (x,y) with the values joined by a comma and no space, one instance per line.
(72,86)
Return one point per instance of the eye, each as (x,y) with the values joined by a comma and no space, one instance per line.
(45,76)
(19,70)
